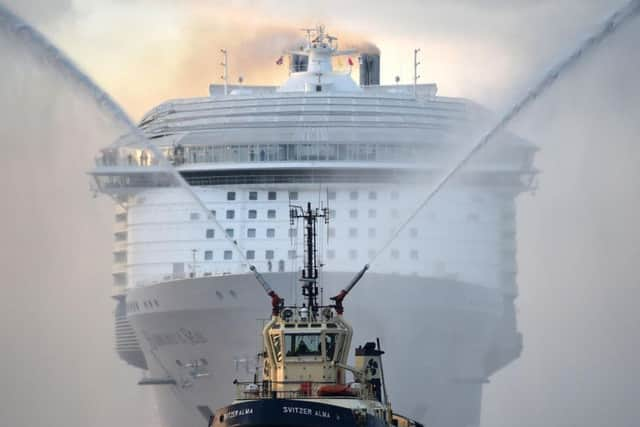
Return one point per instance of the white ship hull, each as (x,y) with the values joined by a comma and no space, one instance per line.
(460,334)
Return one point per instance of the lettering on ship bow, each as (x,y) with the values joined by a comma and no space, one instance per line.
(305,411)
(238,413)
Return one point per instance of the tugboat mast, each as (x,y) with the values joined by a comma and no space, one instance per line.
(310,271)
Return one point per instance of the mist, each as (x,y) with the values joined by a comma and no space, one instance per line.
(577,252)
(577,240)
(58,362)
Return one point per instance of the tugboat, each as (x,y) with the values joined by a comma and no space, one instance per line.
(304,367)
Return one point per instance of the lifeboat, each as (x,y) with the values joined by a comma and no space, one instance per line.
(336,390)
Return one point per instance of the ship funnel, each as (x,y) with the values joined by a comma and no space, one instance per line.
(369,69)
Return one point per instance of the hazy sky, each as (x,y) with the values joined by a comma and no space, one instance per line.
(578,241)
(145,51)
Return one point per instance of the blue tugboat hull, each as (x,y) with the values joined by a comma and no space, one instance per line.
(291,413)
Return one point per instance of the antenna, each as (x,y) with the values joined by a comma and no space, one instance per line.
(310,271)
(328,216)
(225,76)
(415,71)
(332,39)
(308,31)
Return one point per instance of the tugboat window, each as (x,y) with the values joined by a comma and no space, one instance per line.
(302,344)
(277,347)
(330,345)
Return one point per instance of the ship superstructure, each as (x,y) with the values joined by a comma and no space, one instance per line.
(367,153)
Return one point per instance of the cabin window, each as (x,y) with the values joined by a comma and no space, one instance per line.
(277,347)
(330,345)
(302,345)
(253,195)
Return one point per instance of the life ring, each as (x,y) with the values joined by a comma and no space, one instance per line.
(336,390)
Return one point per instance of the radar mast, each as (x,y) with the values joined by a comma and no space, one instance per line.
(310,270)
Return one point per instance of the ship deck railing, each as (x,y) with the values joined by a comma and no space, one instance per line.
(248,390)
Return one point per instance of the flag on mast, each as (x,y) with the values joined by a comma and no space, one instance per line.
(350,62)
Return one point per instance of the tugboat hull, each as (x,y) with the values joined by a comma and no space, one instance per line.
(295,413)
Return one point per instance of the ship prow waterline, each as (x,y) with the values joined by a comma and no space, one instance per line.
(187,300)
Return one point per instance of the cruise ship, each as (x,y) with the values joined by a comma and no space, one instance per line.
(207,195)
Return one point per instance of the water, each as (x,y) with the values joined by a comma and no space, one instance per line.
(608,27)
(57,366)
(132,139)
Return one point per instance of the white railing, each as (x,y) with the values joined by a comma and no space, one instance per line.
(182,276)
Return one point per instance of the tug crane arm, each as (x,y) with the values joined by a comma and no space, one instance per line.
(343,293)
(276,301)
